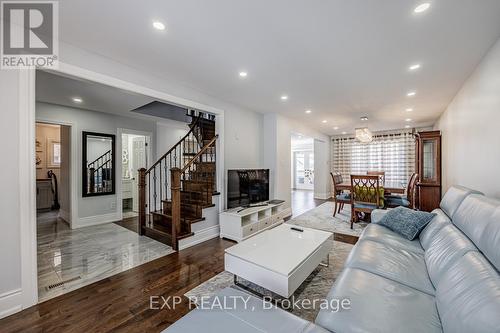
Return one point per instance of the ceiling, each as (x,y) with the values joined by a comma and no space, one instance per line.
(61,90)
(340,59)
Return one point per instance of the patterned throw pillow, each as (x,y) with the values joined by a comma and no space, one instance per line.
(406,222)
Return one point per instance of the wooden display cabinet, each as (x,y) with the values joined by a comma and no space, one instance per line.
(428,166)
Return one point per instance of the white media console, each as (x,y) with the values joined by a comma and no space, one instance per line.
(237,224)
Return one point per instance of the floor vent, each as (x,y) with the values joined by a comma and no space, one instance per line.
(60,284)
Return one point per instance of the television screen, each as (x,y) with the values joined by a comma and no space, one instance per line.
(248,186)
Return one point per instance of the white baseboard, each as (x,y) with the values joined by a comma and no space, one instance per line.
(11,302)
(199,237)
(97,219)
(322,196)
(66,216)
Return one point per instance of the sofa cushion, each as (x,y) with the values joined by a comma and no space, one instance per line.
(406,222)
(431,229)
(381,234)
(448,245)
(405,267)
(454,197)
(468,296)
(379,305)
(245,313)
(479,218)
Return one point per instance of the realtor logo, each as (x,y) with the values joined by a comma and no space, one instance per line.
(29,34)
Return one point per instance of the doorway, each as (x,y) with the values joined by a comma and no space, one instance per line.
(302,162)
(135,155)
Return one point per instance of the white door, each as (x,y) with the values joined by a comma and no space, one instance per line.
(139,159)
(304,170)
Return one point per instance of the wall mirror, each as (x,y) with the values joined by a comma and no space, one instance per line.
(98,164)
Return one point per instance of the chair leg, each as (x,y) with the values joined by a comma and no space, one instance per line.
(335,209)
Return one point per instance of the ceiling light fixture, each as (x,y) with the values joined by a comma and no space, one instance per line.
(158,25)
(344,133)
(243,74)
(284,97)
(407,126)
(324,121)
(414,67)
(408,120)
(409,109)
(336,128)
(411,94)
(422,8)
(365,118)
(77,100)
(308,111)
(364,135)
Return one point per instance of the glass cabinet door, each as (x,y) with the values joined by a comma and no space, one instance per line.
(429,155)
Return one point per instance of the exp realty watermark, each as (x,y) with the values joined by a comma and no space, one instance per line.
(29,34)
(245,303)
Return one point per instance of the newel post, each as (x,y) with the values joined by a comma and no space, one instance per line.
(176,205)
(142,200)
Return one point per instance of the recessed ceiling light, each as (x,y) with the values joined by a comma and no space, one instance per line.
(409,109)
(414,67)
(407,126)
(243,74)
(408,120)
(284,97)
(324,121)
(364,118)
(344,133)
(422,7)
(158,25)
(411,93)
(336,128)
(308,111)
(77,100)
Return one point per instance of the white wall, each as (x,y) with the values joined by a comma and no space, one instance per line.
(470,134)
(92,210)
(10,205)
(277,150)
(168,133)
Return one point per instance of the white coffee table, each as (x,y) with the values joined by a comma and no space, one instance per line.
(279,259)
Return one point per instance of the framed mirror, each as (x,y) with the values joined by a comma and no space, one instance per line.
(98,167)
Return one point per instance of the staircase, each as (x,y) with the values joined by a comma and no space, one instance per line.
(174,191)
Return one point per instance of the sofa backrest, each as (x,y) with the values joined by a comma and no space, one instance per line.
(454,197)
(478,217)
(431,230)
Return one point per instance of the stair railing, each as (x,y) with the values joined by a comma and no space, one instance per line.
(191,172)
(154,184)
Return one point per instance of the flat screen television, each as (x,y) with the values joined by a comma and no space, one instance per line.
(247,186)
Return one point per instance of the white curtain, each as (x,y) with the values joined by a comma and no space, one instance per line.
(392,152)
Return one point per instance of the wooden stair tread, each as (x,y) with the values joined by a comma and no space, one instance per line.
(187,219)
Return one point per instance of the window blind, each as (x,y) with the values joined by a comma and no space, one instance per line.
(392,152)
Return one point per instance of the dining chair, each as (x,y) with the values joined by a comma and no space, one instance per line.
(339,197)
(407,200)
(381,174)
(366,195)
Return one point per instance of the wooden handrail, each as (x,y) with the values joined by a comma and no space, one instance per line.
(202,150)
(106,153)
(175,146)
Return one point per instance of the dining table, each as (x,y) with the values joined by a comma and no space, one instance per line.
(389,187)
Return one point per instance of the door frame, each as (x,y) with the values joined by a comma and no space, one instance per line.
(27,295)
(119,185)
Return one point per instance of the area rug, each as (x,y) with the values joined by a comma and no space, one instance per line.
(315,287)
(322,218)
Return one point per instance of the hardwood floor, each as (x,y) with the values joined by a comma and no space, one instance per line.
(121,303)
(303,200)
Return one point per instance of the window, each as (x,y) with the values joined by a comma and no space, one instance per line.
(54,150)
(393,153)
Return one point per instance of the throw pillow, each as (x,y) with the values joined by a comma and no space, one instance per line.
(406,222)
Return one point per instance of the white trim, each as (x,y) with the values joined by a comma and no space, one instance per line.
(11,302)
(200,237)
(64,215)
(27,191)
(322,196)
(97,219)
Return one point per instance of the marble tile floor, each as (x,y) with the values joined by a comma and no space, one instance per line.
(76,258)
